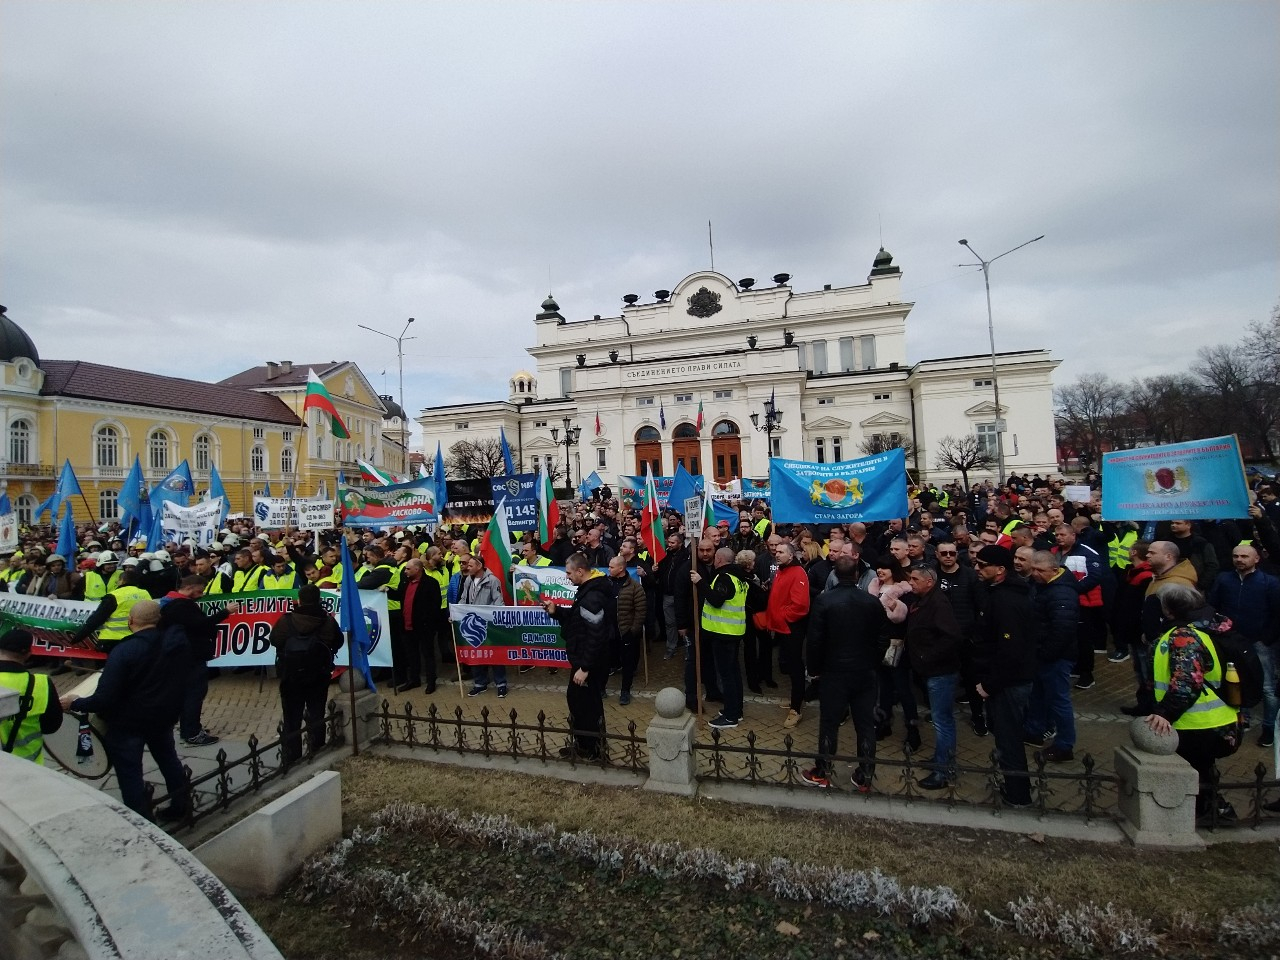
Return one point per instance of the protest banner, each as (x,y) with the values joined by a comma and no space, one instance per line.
(470,501)
(755,489)
(1198,480)
(8,532)
(532,586)
(631,491)
(507,636)
(1077,493)
(395,505)
(276,513)
(850,491)
(199,523)
(520,493)
(693,518)
(243,639)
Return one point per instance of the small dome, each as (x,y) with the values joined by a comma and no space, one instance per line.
(522,375)
(883,258)
(394,412)
(549,305)
(14,342)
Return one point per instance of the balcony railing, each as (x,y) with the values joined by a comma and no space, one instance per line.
(25,471)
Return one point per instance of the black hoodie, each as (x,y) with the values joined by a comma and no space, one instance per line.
(1004,651)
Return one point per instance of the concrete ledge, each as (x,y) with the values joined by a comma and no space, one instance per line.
(262,853)
(119,885)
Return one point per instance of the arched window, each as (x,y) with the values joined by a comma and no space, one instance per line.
(158,450)
(106,447)
(685,431)
(20,441)
(203,453)
(258,460)
(286,461)
(725,428)
(108,505)
(320,446)
(647,434)
(24,507)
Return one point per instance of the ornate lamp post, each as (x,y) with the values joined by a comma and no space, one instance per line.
(571,435)
(772,421)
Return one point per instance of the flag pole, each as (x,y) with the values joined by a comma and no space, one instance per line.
(351,687)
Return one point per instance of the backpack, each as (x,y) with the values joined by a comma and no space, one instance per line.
(304,659)
(1231,647)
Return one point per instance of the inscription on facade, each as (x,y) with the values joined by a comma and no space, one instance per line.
(688,369)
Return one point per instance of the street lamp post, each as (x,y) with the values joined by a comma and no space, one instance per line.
(991,335)
(404,414)
(571,435)
(772,421)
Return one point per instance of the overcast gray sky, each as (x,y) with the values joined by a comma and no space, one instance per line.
(193,188)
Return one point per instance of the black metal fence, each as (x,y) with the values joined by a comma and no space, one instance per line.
(506,736)
(1087,792)
(1246,799)
(231,780)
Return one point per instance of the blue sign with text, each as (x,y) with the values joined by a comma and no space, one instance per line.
(851,491)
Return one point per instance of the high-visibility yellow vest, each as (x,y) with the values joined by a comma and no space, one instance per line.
(1208,712)
(441,577)
(1007,529)
(29,743)
(540,562)
(117,626)
(392,584)
(248,581)
(283,582)
(114,580)
(95,588)
(1118,549)
(214,585)
(729,620)
(760,526)
(944,499)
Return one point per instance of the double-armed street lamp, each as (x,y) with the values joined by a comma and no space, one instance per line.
(772,421)
(404,414)
(571,435)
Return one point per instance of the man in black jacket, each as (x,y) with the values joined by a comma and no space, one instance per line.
(140,696)
(847,640)
(1005,664)
(1050,719)
(419,597)
(677,557)
(179,609)
(687,612)
(963,588)
(306,640)
(588,627)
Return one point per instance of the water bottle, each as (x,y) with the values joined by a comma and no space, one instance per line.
(84,741)
(1231,685)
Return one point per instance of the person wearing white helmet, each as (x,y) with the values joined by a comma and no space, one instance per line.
(97,580)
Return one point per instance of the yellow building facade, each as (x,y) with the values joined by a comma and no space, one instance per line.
(100,417)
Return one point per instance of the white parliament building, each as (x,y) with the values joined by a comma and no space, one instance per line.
(834,360)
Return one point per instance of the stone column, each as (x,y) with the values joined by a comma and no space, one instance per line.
(364,725)
(670,739)
(1157,790)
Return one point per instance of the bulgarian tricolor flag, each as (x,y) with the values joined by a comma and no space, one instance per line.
(372,474)
(548,509)
(651,519)
(698,426)
(708,509)
(319,399)
(495,549)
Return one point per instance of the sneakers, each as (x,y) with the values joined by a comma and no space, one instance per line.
(624,698)
(1120,656)
(721,722)
(525,668)
(476,691)
(1043,741)
(1265,739)
(1084,683)
(793,718)
(1058,755)
(202,739)
(861,782)
(502,693)
(934,781)
(1225,813)
(815,778)
(979,726)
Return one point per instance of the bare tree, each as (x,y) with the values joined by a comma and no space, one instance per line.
(1244,397)
(1167,408)
(883,443)
(1091,415)
(963,454)
(475,459)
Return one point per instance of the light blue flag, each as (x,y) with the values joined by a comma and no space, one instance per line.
(266,490)
(723,511)
(143,526)
(67,487)
(684,485)
(439,481)
(216,489)
(507,463)
(67,543)
(852,491)
(130,496)
(5,505)
(177,488)
(351,618)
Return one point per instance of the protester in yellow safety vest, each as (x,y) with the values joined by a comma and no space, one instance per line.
(760,523)
(39,712)
(97,582)
(11,571)
(1118,549)
(1188,674)
(529,556)
(724,621)
(215,581)
(112,614)
(282,575)
(248,575)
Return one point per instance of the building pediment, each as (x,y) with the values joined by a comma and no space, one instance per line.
(884,419)
(828,423)
(987,408)
(540,443)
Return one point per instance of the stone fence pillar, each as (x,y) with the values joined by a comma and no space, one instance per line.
(1157,790)
(670,738)
(364,725)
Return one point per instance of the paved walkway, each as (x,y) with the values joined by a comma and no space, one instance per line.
(243,704)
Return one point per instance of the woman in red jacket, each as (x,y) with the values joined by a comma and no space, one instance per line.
(785,616)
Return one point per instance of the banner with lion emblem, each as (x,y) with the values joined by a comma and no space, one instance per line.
(506,637)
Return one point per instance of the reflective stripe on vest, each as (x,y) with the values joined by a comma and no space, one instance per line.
(1118,549)
(117,625)
(540,562)
(1209,711)
(95,588)
(215,584)
(247,581)
(729,620)
(760,526)
(283,582)
(29,744)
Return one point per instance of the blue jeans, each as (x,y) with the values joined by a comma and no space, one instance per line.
(480,676)
(1051,704)
(942,704)
(1270,701)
